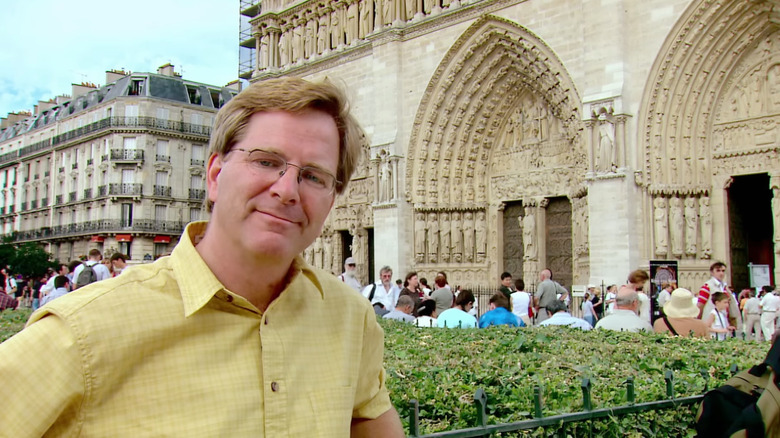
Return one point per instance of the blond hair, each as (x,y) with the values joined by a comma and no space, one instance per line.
(294,95)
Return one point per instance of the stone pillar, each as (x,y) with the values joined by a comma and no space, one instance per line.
(774,185)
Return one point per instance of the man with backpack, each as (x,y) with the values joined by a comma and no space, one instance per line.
(91,270)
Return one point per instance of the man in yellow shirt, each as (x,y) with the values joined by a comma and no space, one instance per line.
(233,334)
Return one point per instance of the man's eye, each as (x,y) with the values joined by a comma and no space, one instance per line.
(267,162)
(313,177)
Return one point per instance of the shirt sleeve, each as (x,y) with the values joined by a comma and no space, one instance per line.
(41,373)
(371,396)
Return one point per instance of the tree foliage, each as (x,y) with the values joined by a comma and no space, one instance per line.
(27,259)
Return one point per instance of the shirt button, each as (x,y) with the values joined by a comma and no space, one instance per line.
(274,386)
(229,298)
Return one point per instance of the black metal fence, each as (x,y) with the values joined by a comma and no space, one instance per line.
(560,424)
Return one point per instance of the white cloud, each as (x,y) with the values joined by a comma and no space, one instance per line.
(53,43)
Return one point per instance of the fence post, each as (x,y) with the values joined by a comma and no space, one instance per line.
(586,394)
(480,399)
(630,396)
(414,418)
(537,402)
(669,378)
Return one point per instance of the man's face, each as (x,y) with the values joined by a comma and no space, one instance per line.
(719,273)
(350,267)
(118,264)
(259,213)
(386,277)
(64,270)
(507,281)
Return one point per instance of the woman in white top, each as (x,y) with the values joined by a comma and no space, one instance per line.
(610,298)
(588,314)
(718,320)
(426,314)
(521,300)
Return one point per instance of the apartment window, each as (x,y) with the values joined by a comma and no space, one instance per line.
(216,98)
(73,216)
(163,113)
(194,214)
(196,181)
(197,155)
(194,94)
(128,142)
(161,178)
(108,112)
(160,212)
(162,148)
(131,111)
(92,151)
(197,119)
(88,215)
(128,176)
(136,87)
(124,248)
(127,215)
(160,249)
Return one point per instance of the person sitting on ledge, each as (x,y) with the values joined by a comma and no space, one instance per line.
(499,313)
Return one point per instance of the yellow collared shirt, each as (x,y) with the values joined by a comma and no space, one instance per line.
(166,350)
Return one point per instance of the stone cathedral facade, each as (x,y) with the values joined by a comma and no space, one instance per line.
(586,136)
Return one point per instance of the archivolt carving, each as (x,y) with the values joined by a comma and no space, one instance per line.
(498,85)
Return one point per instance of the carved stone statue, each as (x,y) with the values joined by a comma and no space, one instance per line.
(265,55)
(357,245)
(457,238)
(297,43)
(318,262)
(310,40)
(366,18)
(660,226)
(327,257)
(429,6)
(444,233)
(691,225)
(336,30)
(352,24)
(323,34)
(676,224)
(468,236)
(480,229)
(528,224)
(412,8)
(284,48)
(419,237)
(433,238)
(705,220)
(606,150)
(385,179)
(387,13)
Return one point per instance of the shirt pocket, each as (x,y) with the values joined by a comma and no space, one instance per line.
(329,413)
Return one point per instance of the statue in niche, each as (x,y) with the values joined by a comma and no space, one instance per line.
(457,238)
(676,224)
(284,48)
(385,178)
(327,256)
(480,229)
(411,8)
(310,43)
(444,233)
(776,215)
(705,220)
(297,43)
(323,34)
(513,134)
(773,86)
(660,226)
(606,149)
(366,25)
(528,126)
(352,25)
(445,3)
(429,6)
(468,236)
(318,262)
(541,117)
(388,13)
(528,224)
(433,237)
(336,32)
(691,225)
(756,96)
(419,238)
(265,55)
(357,244)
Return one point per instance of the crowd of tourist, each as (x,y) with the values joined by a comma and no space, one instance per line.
(36,291)
(714,312)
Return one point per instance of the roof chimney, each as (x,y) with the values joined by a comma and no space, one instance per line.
(166,70)
(115,75)
(13,118)
(82,89)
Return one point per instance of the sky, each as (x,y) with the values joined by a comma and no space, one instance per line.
(50,44)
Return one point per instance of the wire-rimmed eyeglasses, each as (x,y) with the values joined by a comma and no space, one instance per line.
(271,164)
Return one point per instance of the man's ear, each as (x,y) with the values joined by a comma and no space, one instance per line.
(213,169)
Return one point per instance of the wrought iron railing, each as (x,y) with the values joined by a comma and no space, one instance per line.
(72,197)
(197,194)
(102,226)
(125,189)
(33,204)
(195,162)
(88,193)
(58,199)
(162,191)
(101,190)
(23,206)
(127,154)
(162,158)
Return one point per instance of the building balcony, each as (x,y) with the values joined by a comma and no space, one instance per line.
(160,158)
(2,210)
(33,204)
(194,162)
(162,191)
(106,226)
(125,189)
(101,190)
(88,193)
(11,209)
(46,174)
(104,158)
(198,194)
(127,155)
(72,197)
(58,200)
(23,206)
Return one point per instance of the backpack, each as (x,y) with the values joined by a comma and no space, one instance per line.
(86,276)
(747,405)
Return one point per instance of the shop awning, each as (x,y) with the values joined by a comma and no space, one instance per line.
(124,238)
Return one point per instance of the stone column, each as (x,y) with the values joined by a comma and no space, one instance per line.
(774,184)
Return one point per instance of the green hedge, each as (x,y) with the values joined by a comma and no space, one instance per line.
(442,369)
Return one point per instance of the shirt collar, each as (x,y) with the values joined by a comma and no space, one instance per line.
(198,284)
